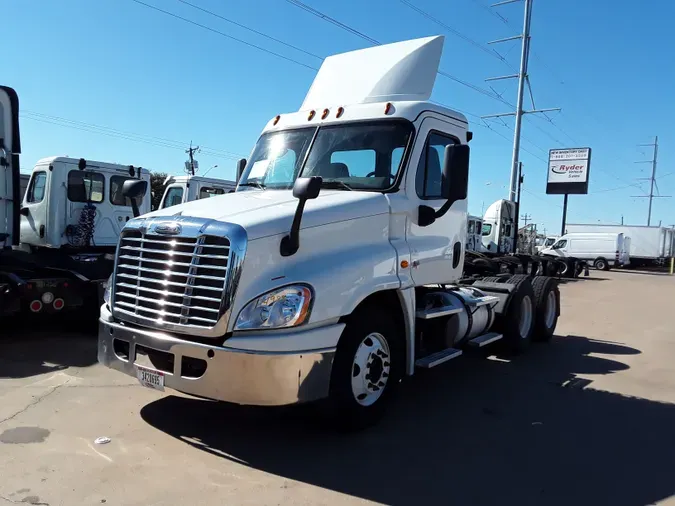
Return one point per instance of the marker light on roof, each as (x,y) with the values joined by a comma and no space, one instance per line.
(339,112)
(325,114)
(311,115)
(276,120)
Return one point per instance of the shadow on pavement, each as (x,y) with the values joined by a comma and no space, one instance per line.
(36,346)
(480,431)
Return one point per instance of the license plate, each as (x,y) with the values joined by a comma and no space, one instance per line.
(150,379)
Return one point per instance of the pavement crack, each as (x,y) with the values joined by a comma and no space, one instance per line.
(35,401)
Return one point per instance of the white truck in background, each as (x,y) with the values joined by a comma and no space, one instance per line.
(602,250)
(648,245)
(181,189)
(57,241)
(499,227)
(474,236)
(335,269)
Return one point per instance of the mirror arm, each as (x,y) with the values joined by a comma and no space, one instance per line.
(291,242)
(444,208)
(134,208)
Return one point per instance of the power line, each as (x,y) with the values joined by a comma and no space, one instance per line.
(367,38)
(252,30)
(450,29)
(259,48)
(112,132)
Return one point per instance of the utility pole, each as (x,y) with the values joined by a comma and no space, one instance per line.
(652,180)
(523,80)
(526,217)
(190,166)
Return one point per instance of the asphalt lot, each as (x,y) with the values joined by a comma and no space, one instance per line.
(586,419)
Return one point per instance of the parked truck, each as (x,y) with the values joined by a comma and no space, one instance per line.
(648,245)
(336,268)
(602,250)
(181,189)
(57,242)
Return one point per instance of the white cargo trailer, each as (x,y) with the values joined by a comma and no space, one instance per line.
(648,245)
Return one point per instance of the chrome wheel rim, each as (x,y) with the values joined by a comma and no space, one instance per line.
(525,317)
(370,369)
(550,311)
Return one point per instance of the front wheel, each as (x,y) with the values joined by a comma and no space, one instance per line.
(368,364)
(601,264)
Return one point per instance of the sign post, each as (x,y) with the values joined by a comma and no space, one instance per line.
(568,171)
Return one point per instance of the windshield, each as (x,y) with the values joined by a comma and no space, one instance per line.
(357,156)
(549,241)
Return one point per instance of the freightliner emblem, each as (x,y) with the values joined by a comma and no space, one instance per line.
(168,229)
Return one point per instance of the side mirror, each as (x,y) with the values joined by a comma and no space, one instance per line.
(241,165)
(24,211)
(455,179)
(304,188)
(455,176)
(133,189)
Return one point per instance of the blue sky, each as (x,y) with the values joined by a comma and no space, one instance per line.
(116,81)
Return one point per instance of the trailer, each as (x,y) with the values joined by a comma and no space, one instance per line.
(335,270)
(648,245)
(58,241)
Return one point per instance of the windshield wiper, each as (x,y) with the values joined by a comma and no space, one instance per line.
(334,185)
(254,184)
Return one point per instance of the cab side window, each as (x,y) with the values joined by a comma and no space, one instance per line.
(560,244)
(174,196)
(428,177)
(205,193)
(85,186)
(36,189)
(116,197)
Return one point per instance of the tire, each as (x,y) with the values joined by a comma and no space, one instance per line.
(492,279)
(601,264)
(520,308)
(547,307)
(356,401)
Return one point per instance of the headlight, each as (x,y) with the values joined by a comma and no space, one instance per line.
(284,307)
(106,291)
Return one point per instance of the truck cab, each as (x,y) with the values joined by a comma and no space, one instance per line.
(334,270)
(181,189)
(499,230)
(78,203)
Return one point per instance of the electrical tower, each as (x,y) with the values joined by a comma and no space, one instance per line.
(523,80)
(652,180)
(191,164)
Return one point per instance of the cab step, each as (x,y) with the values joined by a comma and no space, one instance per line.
(437,312)
(437,358)
(485,339)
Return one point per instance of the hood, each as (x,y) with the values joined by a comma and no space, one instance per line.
(270,212)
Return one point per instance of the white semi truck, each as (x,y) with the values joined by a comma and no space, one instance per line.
(181,189)
(335,269)
(58,240)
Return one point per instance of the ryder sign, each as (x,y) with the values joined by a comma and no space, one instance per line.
(568,171)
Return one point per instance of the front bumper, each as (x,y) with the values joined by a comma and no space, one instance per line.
(219,373)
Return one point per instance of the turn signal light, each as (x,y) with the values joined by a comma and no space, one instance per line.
(387,108)
(404,264)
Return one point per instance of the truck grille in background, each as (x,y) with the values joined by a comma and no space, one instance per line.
(174,280)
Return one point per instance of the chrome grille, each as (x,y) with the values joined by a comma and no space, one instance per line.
(171,280)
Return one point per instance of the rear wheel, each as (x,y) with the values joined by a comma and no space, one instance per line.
(368,364)
(547,307)
(517,322)
(601,264)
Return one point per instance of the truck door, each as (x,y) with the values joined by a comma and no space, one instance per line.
(172,196)
(10,147)
(35,221)
(121,207)
(437,250)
